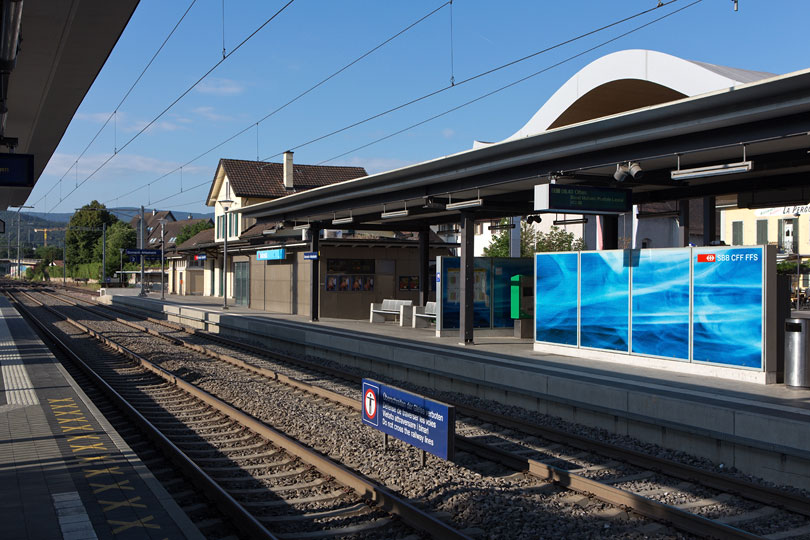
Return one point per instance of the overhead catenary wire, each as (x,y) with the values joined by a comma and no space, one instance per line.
(470,79)
(182,95)
(513,83)
(493,92)
(294,99)
(124,98)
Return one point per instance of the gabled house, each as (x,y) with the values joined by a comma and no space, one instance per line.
(243,183)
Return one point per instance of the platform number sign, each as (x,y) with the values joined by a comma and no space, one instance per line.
(370,404)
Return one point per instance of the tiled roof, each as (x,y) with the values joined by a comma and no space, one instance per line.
(201,239)
(152,219)
(265,180)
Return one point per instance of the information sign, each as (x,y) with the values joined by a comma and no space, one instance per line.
(311,256)
(200,257)
(144,252)
(421,422)
(570,199)
(271,254)
(16,170)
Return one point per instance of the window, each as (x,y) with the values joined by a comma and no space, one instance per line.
(173,239)
(736,233)
(149,229)
(479,228)
(762,232)
(152,240)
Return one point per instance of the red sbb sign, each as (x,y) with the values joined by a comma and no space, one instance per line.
(706,257)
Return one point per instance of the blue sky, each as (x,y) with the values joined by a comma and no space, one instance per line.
(311,39)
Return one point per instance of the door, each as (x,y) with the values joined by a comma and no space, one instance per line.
(241,283)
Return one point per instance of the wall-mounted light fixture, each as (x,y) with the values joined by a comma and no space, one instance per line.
(394,213)
(301,227)
(464,204)
(712,170)
(341,221)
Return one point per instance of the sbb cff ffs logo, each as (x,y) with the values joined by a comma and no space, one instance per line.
(727,257)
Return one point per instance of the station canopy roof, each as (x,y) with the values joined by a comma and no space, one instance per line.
(65,45)
(663,112)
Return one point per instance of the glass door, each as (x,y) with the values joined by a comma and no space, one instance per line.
(241,283)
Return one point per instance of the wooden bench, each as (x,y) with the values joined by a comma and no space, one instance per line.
(396,308)
(424,315)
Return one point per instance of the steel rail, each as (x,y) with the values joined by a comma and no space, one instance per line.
(245,521)
(680,519)
(365,488)
(793,502)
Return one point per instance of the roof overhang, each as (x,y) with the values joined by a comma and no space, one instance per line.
(770,118)
(65,45)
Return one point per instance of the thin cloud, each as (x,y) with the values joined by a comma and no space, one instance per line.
(121,165)
(161,125)
(220,87)
(98,117)
(209,113)
(448,133)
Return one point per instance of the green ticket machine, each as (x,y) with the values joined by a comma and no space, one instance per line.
(522,305)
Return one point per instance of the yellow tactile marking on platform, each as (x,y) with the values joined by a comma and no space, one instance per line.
(68,407)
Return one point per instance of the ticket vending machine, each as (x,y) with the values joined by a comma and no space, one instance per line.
(522,305)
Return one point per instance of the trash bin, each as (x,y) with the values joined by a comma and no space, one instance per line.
(797,371)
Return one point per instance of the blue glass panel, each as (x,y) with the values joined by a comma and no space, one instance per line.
(556,298)
(503,271)
(727,306)
(604,308)
(451,292)
(661,303)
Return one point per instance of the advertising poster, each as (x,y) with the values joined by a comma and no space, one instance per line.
(604,308)
(661,303)
(556,294)
(451,294)
(727,306)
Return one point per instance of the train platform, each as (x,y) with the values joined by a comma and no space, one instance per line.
(64,471)
(759,429)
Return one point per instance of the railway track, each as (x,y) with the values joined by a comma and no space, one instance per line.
(270,485)
(701,502)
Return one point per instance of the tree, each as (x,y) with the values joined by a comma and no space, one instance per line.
(48,254)
(85,231)
(190,230)
(119,236)
(499,247)
(557,239)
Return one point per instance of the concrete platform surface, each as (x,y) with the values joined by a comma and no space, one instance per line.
(64,471)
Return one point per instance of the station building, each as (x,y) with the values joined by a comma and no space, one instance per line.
(680,138)
(266,265)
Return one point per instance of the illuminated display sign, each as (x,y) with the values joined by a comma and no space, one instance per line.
(16,170)
(271,254)
(569,199)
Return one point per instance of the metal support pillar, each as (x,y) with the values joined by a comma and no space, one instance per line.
(514,237)
(315,277)
(610,232)
(709,220)
(467,278)
(424,266)
(683,222)
(103,254)
(140,246)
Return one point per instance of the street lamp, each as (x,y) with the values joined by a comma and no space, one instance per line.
(225,205)
(162,222)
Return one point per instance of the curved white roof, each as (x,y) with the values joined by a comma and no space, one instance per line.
(628,80)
